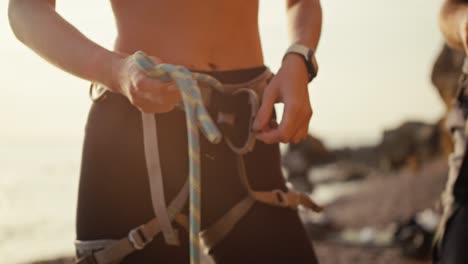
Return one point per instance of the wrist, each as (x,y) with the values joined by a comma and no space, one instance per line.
(295,62)
(107,67)
(308,57)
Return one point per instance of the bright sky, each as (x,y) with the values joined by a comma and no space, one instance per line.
(375,58)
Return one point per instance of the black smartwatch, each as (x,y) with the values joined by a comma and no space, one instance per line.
(308,55)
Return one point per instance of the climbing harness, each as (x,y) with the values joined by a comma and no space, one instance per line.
(197,117)
(456,124)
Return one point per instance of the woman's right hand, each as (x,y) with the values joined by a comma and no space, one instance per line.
(147,94)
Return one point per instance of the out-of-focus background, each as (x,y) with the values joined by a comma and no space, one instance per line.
(376,157)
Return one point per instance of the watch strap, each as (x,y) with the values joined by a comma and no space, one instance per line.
(308,55)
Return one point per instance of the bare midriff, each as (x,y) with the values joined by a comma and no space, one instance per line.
(215,35)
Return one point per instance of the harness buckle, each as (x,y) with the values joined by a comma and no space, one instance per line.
(138,239)
(281,198)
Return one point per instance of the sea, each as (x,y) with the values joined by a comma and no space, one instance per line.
(38,190)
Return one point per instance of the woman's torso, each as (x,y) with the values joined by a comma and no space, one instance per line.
(204,35)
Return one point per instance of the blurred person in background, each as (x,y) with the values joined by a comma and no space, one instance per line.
(445,76)
(220,38)
(453,231)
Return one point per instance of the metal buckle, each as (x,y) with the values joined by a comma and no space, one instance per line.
(281,197)
(250,141)
(138,239)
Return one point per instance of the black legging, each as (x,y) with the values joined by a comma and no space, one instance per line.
(455,242)
(114,195)
(454,247)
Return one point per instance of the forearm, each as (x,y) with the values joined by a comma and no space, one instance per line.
(453,23)
(305,22)
(40,27)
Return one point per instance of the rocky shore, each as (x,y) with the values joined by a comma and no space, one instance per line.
(361,226)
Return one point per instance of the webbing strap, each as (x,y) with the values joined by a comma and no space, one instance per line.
(115,250)
(225,224)
(153,166)
(277,197)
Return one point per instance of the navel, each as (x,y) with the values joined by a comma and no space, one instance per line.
(212,66)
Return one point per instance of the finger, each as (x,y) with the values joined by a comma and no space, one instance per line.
(170,96)
(269,136)
(290,121)
(156,91)
(303,129)
(147,106)
(301,133)
(145,84)
(272,125)
(288,127)
(263,115)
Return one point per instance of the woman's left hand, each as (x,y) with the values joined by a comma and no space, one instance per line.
(290,87)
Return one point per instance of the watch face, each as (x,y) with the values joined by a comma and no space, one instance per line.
(309,58)
(313,62)
(310,55)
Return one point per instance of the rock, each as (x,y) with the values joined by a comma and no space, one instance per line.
(301,183)
(340,171)
(365,155)
(396,198)
(412,140)
(411,143)
(414,240)
(312,150)
(299,159)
